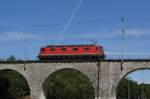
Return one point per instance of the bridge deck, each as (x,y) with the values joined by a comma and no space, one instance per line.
(81,61)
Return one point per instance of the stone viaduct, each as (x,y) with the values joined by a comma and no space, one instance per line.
(110,74)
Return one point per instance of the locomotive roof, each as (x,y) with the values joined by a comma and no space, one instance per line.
(72,45)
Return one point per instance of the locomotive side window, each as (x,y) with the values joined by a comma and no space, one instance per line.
(86,49)
(97,48)
(75,49)
(63,49)
(52,49)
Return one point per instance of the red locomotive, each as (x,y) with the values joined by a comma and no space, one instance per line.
(71,52)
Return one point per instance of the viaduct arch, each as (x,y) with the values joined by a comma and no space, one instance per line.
(5,72)
(128,67)
(44,84)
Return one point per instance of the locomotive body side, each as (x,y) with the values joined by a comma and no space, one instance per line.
(71,52)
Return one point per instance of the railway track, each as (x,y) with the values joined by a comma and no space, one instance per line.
(72,61)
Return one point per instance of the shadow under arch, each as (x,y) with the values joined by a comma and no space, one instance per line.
(68,71)
(129,72)
(13,85)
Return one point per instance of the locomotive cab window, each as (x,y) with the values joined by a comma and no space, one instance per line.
(75,49)
(86,49)
(52,49)
(43,49)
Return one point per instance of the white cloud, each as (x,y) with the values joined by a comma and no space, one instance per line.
(137,32)
(15,36)
(100,35)
(107,34)
(103,34)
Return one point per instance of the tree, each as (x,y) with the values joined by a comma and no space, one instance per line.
(13,85)
(69,84)
(4,87)
(146,91)
(127,85)
(11,58)
(135,90)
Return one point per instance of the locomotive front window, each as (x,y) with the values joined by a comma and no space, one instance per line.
(52,49)
(63,49)
(86,49)
(43,49)
(75,49)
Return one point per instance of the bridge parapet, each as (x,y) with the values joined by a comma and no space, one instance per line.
(127,57)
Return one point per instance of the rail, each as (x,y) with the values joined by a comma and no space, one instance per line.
(106,60)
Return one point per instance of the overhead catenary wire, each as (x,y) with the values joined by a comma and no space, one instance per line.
(69,22)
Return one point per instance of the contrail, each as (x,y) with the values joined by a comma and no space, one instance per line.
(69,22)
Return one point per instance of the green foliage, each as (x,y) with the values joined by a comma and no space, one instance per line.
(146,90)
(135,90)
(4,85)
(69,84)
(11,58)
(16,86)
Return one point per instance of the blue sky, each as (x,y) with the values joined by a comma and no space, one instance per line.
(140,76)
(44,22)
